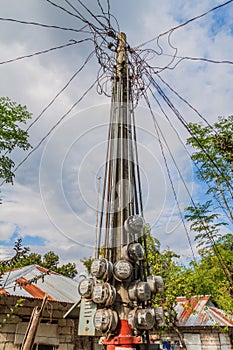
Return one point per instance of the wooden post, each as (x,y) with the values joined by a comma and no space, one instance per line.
(34,322)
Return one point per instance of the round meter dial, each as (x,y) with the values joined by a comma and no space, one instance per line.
(122,270)
(105,320)
(101,269)
(145,319)
(139,290)
(159,316)
(104,294)
(99,295)
(85,287)
(133,252)
(134,224)
(156,284)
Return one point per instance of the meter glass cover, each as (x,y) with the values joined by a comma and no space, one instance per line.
(98,294)
(123,269)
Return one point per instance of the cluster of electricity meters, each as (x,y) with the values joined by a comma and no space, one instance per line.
(103,293)
(145,319)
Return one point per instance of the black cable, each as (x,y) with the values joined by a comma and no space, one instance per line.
(218,253)
(185,23)
(74,42)
(91,13)
(62,90)
(203,59)
(186,150)
(53,128)
(185,124)
(158,132)
(185,101)
(81,18)
(43,25)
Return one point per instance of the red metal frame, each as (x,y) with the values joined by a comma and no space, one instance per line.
(123,337)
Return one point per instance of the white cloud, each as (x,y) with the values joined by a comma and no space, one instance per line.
(63,213)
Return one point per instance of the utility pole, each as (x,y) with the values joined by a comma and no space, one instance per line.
(120,285)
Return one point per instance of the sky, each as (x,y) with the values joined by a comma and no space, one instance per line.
(52,204)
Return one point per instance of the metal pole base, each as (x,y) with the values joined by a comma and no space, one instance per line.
(124,339)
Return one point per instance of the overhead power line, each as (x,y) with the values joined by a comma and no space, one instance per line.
(74,42)
(169,31)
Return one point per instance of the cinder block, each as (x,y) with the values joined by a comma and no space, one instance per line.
(62,323)
(70,346)
(62,347)
(10,346)
(2,338)
(9,328)
(10,337)
(70,323)
(65,330)
(64,338)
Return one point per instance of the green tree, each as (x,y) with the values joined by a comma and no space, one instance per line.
(87,263)
(166,264)
(12,116)
(207,226)
(50,260)
(208,277)
(213,157)
(213,274)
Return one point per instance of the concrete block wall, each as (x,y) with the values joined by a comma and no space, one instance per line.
(210,338)
(53,313)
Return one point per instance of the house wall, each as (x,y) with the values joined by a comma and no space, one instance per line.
(53,330)
(62,334)
(205,338)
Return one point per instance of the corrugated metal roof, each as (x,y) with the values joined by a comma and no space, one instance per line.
(200,311)
(58,287)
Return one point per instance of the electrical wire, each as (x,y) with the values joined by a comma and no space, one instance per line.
(169,31)
(141,72)
(187,152)
(62,90)
(158,133)
(185,124)
(53,127)
(81,30)
(211,238)
(74,42)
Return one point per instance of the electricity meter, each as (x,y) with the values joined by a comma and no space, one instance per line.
(159,316)
(101,268)
(111,294)
(105,320)
(145,319)
(132,318)
(139,290)
(122,270)
(156,284)
(133,252)
(85,287)
(141,319)
(134,224)
(104,293)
